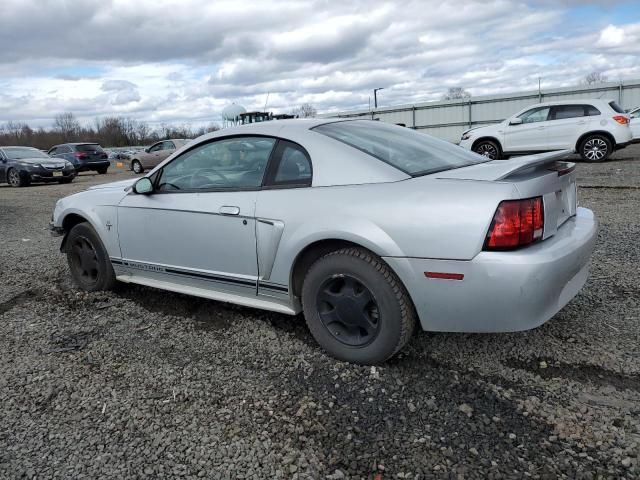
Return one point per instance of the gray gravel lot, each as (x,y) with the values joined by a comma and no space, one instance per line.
(140,383)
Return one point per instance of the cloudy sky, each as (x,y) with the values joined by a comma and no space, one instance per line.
(183,61)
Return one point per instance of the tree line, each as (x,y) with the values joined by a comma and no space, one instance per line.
(108,131)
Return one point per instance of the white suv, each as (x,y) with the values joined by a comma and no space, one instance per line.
(592,128)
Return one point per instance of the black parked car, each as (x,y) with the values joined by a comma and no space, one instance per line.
(84,156)
(19,166)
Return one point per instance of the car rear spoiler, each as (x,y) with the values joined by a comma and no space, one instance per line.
(496,170)
(528,161)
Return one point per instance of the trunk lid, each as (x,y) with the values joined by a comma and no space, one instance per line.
(532,175)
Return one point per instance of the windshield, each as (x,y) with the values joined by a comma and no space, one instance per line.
(89,147)
(407,150)
(18,153)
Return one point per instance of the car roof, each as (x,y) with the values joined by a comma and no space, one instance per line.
(18,146)
(76,143)
(334,163)
(578,101)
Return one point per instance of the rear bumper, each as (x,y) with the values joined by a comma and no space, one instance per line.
(503,291)
(88,166)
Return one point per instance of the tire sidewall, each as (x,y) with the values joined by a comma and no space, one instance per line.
(390,312)
(601,137)
(106,276)
(133,166)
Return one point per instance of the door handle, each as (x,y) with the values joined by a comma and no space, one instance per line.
(582,122)
(229,210)
(540,128)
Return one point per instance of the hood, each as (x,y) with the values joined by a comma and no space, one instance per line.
(53,162)
(122,184)
(480,127)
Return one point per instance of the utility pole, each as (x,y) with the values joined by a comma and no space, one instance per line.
(375,96)
(539,91)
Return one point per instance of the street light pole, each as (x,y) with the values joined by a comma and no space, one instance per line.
(375,96)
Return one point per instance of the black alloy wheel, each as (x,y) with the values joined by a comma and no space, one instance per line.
(84,261)
(348,310)
(88,260)
(356,307)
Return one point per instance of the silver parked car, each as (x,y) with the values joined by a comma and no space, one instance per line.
(365,227)
(154,155)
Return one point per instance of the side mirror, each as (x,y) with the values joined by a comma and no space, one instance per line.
(147,150)
(515,121)
(143,186)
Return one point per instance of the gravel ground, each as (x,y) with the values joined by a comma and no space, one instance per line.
(140,383)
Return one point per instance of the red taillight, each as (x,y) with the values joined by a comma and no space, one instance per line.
(516,223)
(621,119)
(81,155)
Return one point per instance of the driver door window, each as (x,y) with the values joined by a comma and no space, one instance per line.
(156,148)
(535,115)
(231,164)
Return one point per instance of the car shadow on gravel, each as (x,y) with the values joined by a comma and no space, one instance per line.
(211,314)
(588,374)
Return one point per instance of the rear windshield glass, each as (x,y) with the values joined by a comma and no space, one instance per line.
(412,152)
(616,107)
(18,153)
(89,147)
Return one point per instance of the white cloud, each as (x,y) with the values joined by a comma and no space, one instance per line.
(611,36)
(183,61)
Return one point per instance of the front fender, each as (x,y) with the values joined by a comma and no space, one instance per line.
(99,209)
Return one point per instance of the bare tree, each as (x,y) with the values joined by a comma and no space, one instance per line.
(456,93)
(594,77)
(306,110)
(67,125)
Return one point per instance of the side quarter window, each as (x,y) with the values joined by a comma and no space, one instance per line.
(291,166)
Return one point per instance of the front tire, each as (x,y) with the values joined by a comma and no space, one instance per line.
(102,171)
(356,307)
(136,166)
(595,148)
(16,180)
(65,180)
(88,259)
(489,149)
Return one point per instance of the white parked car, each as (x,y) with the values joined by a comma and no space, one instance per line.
(635,123)
(592,128)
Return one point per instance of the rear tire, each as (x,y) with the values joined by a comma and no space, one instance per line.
(489,149)
(102,171)
(136,166)
(16,180)
(356,307)
(88,259)
(595,148)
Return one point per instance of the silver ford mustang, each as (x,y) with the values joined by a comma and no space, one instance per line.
(365,227)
